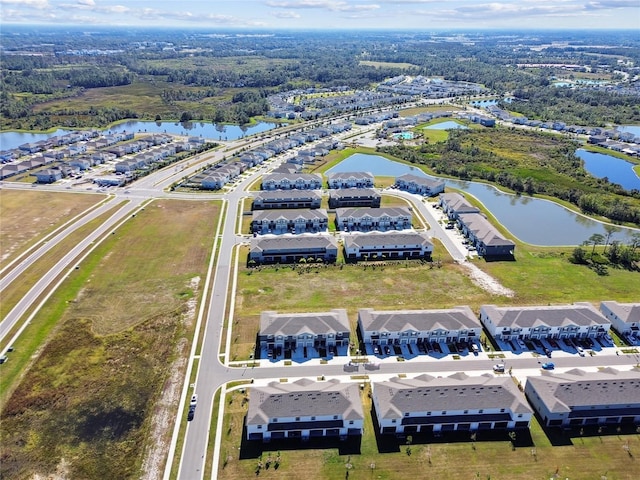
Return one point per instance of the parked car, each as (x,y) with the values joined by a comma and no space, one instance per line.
(548,366)
(498,368)
(580,350)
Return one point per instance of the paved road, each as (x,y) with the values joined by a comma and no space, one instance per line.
(211,372)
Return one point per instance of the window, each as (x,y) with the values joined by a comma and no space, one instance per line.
(297,419)
(393,420)
(275,420)
(350,422)
(259,427)
(313,418)
(335,417)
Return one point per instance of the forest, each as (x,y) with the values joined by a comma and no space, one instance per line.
(53,78)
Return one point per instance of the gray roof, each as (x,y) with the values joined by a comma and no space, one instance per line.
(429,182)
(457,202)
(287,194)
(627,312)
(292,214)
(348,175)
(304,398)
(354,193)
(386,239)
(273,323)
(483,230)
(581,314)
(292,177)
(292,242)
(457,318)
(373,212)
(578,388)
(456,392)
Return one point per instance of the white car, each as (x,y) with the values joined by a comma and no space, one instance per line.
(499,367)
(580,351)
(194,400)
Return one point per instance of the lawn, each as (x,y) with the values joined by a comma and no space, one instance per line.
(28,216)
(490,457)
(100,395)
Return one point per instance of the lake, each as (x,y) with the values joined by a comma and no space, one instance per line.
(448,125)
(210,131)
(532,220)
(635,129)
(617,170)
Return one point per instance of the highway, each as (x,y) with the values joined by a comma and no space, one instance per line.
(211,371)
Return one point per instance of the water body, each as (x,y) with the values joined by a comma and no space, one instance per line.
(449,125)
(209,131)
(403,135)
(617,170)
(532,220)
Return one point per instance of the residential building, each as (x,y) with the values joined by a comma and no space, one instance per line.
(624,317)
(459,402)
(48,175)
(580,320)
(369,219)
(391,245)
(578,398)
(400,327)
(291,181)
(276,199)
(420,185)
(453,204)
(354,197)
(304,409)
(350,180)
(293,249)
(487,240)
(290,331)
(289,221)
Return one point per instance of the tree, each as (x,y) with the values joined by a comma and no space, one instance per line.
(610,229)
(579,256)
(596,239)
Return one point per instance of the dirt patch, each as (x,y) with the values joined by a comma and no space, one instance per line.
(164,412)
(486,281)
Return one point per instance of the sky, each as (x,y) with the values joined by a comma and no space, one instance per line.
(329,14)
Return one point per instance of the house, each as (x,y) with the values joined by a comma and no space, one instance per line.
(354,197)
(391,245)
(49,175)
(579,398)
(579,320)
(214,180)
(421,185)
(270,199)
(293,249)
(400,327)
(297,181)
(453,204)
(624,317)
(289,221)
(368,219)
(489,242)
(350,180)
(304,409)
(290,331)
(428,404)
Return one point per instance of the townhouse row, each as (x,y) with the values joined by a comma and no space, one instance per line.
(428,404)
(290,331)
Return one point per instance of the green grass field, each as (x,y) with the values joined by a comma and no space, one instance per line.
(535,457)
(90,395)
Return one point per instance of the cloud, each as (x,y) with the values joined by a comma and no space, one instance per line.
(331,5)
(40,4)
(87,3)
(287,14)
(611,4)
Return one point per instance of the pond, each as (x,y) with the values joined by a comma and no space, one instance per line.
(210,131)
(617,170)
(532,220)
(635,129)
(446,126)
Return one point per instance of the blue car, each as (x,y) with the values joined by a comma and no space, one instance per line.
(548,366)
